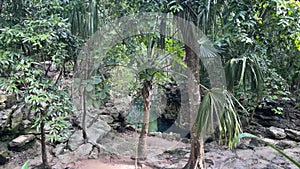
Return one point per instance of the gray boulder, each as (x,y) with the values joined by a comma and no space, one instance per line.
(75,140)
(59,149)
(17,116)
(107,118)
(286,144)
(293,134)
(97,131)
(276,132)
(94,132)
(21,142)
(3,98)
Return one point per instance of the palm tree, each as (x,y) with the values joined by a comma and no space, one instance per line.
(217,108)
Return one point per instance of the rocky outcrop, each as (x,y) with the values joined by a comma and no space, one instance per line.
(290,117)
(21,142)
(293,134)
(276,132)
(277,126)
(96,130)
(13,116)
(75,140)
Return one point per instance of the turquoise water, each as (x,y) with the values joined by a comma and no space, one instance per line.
(136,115)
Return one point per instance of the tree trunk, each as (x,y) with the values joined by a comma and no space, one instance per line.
(196,159)
(43,143)
(147,97)
(85,138)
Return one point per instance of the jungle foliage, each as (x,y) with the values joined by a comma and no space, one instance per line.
(257,41)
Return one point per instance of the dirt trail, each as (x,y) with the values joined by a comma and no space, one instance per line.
(122,163)
(155,146)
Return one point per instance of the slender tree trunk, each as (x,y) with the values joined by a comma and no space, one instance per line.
(196,159)
(43,143)
(147,92)
(83,118)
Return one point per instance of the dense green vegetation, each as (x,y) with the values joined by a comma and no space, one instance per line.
(258,43)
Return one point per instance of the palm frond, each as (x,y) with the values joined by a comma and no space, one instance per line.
(217,111)
(244,72)
(206,47)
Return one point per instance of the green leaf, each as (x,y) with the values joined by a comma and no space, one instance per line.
(148,77)
(97,104)
(97,80)
(26,165)
(218,110)
(242,135)
(89,88)
(102,95)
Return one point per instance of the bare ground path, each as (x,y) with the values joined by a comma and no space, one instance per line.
(167,154)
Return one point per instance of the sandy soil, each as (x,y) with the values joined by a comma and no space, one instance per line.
(122,163)
(155,146)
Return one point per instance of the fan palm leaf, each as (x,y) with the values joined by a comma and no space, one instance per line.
(244,72)
(217,111)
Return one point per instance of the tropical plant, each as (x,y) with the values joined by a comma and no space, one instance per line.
(36,39)
(245,78)
(244,72)
(147,63)
(25,165)
(217,111)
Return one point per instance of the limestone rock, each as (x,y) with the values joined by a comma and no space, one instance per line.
(75,140)
(107,118)
(94,154)
(17,116)
(10,100)
(109,104)
(27,123)
(5,120)
(116,125)
(59,149)
(97,131)
(83,151)
(286,144)
(171,136)
(156,134)
(21,142)
(276,133)
(71,165)
(293,134)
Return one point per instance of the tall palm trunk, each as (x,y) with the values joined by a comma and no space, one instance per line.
(196,159)
(147,92)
